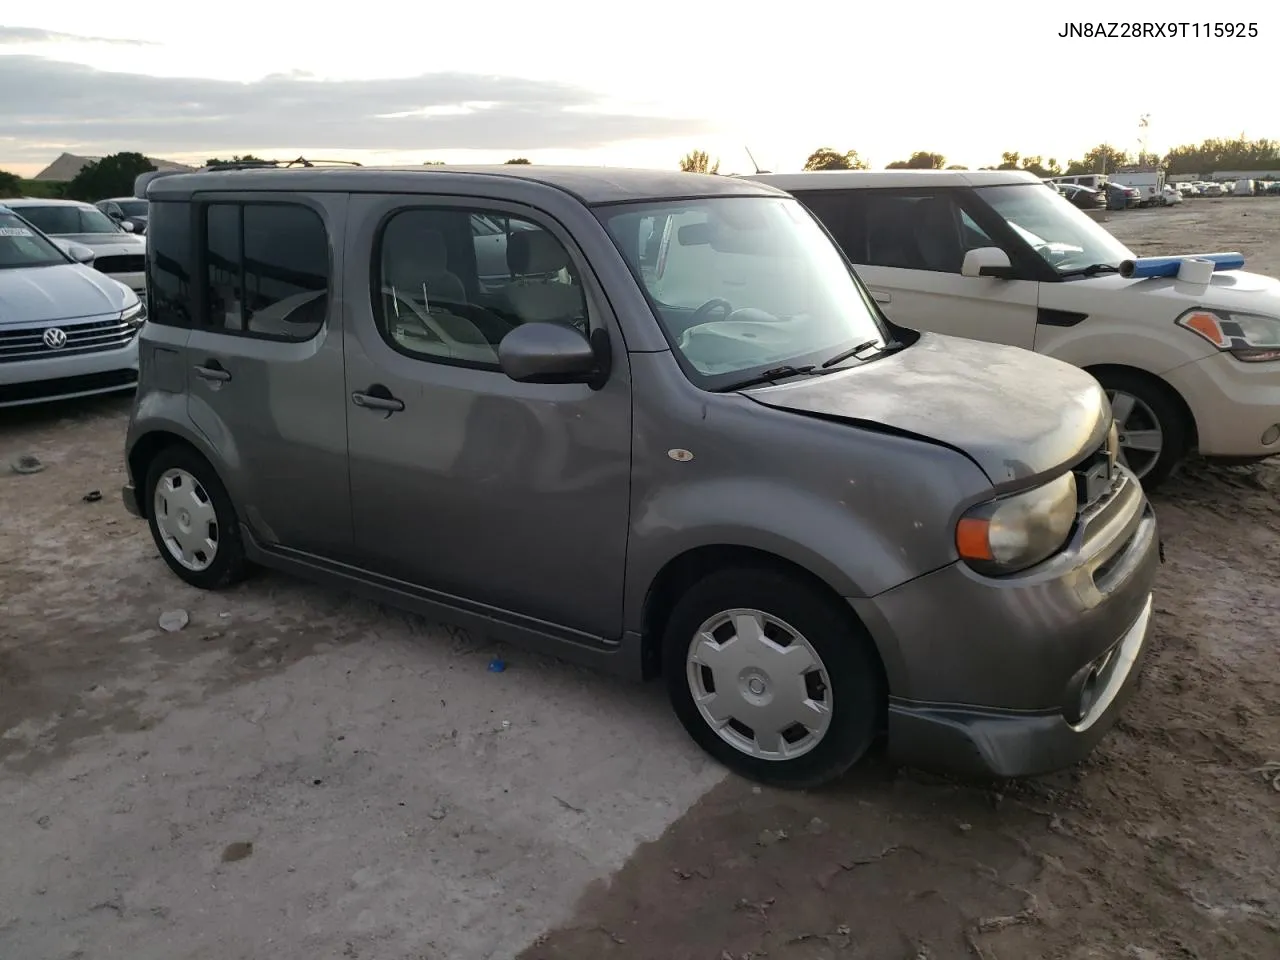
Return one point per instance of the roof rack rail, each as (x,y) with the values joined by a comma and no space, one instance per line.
(277,164)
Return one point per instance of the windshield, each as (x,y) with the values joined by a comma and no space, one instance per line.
(20,246)
(1057,230)
(58,220)
(132,208)
(743,284)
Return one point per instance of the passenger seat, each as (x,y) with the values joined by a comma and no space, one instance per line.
(536,292)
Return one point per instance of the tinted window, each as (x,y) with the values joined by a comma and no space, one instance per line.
(170,264)
(53,220)
(842,214)
(267,269)
(451,283)
(223,284)
(918,232)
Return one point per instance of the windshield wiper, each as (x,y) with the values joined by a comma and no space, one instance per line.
(768,376)
(889,345)
(1090,271)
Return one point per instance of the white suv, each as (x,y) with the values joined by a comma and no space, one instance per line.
(999,256)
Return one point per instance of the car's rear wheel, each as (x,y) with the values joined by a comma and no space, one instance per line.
(772,677)
(192,520)
(1154,433)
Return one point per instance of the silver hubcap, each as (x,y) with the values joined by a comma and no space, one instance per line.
(186,519)
(1141,438)
(759,684)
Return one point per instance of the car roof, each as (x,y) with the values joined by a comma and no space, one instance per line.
(881,179)
(41,202)
(590,185)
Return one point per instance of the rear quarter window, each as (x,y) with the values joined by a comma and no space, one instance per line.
(171,278)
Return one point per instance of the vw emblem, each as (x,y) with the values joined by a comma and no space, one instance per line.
(55,339)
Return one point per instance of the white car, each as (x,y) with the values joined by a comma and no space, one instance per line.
(66,330)
(998,256)
(119,253)
(1171,194)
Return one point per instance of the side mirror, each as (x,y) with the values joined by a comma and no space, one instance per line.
(987,262)
(549,353)
(76,251)
(126,225)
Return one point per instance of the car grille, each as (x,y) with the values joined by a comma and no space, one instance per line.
(121,263)
(28,343)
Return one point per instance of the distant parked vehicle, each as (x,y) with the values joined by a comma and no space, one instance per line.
(1148,183)
(118,253)
(1243,188)
(66,330)
(1086,198)
(1120,197)
(1212,190)
(1170,195)
(129,212)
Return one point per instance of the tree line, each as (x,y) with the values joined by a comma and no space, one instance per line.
(1203,158)
(113,176)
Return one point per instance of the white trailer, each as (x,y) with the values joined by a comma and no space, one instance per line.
(1150,183)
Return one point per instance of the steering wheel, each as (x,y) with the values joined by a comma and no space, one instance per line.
(703,312)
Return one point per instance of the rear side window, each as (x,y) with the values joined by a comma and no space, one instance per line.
(170,265)
(266,270)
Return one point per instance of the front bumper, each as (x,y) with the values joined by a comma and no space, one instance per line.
(1004,743)
(991,676)
(1234,404)
(57,377)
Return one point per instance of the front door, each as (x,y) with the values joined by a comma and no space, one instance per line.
(503,496)
(265,365)
(909,245)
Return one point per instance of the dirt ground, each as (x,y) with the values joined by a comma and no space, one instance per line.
(120,743)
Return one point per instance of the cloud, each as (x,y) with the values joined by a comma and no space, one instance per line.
(45,101)
(16,35)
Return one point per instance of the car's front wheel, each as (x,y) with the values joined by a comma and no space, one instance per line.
(1154,433)
(773,677)
(193,521)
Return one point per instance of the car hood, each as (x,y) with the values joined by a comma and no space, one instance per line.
(63,292)
(1014,413)
(105,244)
(1227,290)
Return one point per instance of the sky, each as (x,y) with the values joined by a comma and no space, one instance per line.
(632,85)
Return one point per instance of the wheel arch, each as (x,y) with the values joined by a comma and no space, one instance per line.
(145,449)
(1098,370)
(685,569)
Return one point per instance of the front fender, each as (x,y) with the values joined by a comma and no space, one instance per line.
(823,536)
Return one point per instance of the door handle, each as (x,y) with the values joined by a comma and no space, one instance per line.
(212,371)
(377,397)
(882,296)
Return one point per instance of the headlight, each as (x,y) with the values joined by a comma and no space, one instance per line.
(134,314)
(1016,532)
(1246,336)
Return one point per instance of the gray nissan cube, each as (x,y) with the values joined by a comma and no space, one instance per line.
(672,435)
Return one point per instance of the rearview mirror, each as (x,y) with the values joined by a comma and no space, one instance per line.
(548,353)
(987,262)
(76,251)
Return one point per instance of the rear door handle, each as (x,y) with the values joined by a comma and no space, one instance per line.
(377,397)
(213,372)
(882,296)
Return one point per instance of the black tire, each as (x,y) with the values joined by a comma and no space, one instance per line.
(852,665)
(229,565)
(1164,405)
